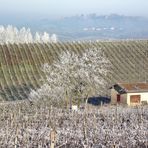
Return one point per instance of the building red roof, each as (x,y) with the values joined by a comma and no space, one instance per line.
(123,88)
(134,87)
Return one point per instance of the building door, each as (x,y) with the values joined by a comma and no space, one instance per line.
(135,99)
(118,98)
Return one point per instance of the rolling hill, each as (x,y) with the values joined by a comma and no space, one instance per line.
(20,64)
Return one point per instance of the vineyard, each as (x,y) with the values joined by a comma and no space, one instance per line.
(42,125)
(20,64)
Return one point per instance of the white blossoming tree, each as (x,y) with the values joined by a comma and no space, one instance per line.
(74,76)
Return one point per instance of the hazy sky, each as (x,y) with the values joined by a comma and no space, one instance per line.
(58,8)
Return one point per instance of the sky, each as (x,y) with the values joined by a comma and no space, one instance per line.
(61,8)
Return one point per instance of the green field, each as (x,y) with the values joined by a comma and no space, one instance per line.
(20,65)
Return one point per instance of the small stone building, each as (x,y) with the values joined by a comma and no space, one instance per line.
(129,93)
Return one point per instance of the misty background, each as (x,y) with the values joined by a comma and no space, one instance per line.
(61,8)
(79,19)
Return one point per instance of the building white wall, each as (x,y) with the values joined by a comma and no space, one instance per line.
(124,99)
(144,96)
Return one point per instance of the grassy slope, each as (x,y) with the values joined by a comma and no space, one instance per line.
(20,64)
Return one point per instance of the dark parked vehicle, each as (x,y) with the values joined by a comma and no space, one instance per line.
(99,100)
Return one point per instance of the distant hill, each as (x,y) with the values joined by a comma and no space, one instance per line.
(93,27)
(88,27)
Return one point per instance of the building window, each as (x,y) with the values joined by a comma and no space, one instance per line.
(135,99)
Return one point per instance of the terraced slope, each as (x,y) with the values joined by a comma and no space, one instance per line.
(20,64)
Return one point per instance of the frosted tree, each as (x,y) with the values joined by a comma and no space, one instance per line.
(54,38)
(29,37)
(12,35)
(45,37)
(37,37)
(75,76)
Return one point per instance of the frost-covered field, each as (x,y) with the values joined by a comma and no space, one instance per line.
(30,125)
